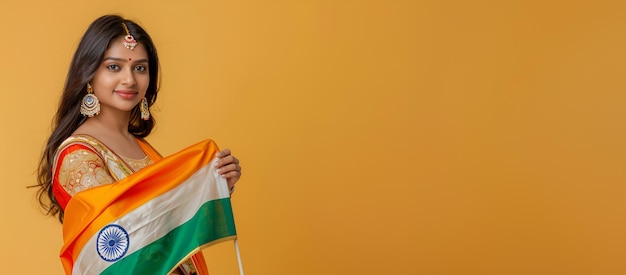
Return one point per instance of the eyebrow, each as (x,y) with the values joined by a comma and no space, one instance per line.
(124,60)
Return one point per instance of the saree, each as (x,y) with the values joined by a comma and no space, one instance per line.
(153,221)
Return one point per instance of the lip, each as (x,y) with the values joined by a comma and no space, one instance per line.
(126,94)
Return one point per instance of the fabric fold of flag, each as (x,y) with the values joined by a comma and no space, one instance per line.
(151,221)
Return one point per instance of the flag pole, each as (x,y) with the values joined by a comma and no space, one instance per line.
(238,257)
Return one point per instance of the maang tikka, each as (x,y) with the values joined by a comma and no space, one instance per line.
(129,41)
(90,106)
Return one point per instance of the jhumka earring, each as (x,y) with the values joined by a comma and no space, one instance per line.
(90,105)
(145,109)
(129,41)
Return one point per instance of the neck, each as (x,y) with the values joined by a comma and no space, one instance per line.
(112,122)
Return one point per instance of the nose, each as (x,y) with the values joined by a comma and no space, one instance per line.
(128,78)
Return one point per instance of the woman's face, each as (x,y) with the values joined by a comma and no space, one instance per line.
(122,79)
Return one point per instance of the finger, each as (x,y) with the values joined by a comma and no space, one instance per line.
(231,175)
(227,168)
(226,161)
(223,153)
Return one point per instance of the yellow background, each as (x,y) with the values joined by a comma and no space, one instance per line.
(377,137)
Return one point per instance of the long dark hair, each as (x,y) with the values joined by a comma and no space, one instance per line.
(86,60)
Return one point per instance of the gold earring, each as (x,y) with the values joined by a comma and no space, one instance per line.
(145,109)
(90,105)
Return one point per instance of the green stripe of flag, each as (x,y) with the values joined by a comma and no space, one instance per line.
(213,221)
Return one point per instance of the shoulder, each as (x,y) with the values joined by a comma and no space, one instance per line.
(74,145)
(77,166)
(79,150)
(84,141)
(76,150)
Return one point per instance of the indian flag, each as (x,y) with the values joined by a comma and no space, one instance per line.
(151,221)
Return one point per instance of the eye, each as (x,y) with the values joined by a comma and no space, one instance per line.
(140,68)
(113,67)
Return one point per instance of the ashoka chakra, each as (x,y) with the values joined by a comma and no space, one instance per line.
(112,243)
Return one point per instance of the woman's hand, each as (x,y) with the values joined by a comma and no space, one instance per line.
(228,166)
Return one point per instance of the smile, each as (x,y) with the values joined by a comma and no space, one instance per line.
(126,94)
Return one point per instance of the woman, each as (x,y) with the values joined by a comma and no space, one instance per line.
(103,116)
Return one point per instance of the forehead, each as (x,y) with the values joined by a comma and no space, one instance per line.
(118,50)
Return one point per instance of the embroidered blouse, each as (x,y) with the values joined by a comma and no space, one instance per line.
(83,162)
